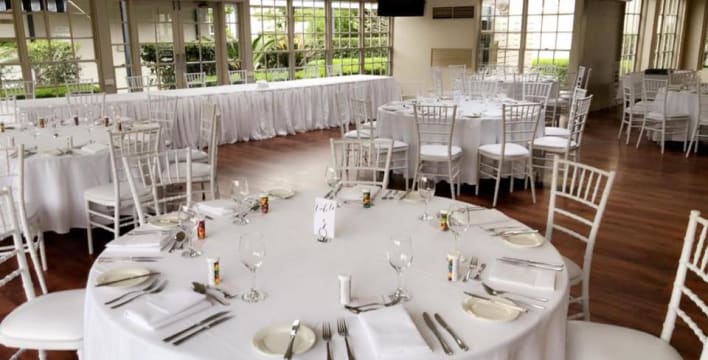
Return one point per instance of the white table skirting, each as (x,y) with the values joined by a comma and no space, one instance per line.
(299,276)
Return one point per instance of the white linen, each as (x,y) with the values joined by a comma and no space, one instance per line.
(161,309)
(299,276)
(524,277)
(356,193)
(393,334)
(147,242)
(682,103)
(219,207)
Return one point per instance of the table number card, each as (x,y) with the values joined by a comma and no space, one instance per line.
(323,226)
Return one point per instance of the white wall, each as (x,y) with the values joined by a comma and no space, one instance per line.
(414,37)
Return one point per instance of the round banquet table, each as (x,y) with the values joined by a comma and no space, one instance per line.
(681,102)
(514,88)
(478,122)
(299,276)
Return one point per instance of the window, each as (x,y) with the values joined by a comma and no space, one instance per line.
(269,35)
(668,31)
(309,34)
(500,39)
(346,35)
(120,42)
(630,35)
(377,41)
(199,44)
(232,37)
(549,32)
(156,42)
(10,68)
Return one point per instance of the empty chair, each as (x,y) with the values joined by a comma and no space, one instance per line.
(238,77)
(8,110)
(586,340)
(334,70)
(360,164)
(437,155)
(311,71)
(531,77)
(87,105)
(682,78)
(518,129)
(437,80)
(279,74)
(700,128)
(52,321)
(539,92)
(139,83)
(632,111)
(564,131)
(18,88)
(412,89)
(163,111)
(578,199)
(196,79)
(457,76)
(358,112)
(481,88)
(657,119)
(80,86)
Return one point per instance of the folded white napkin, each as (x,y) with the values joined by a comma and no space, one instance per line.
(525,277)
(392,334)
(94,148)
(219,207)
(140,242)
(355,193)
(164,308)
(490,216)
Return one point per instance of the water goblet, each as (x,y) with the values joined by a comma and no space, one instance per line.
(426,190)
(400,257)
(239,193)
(458,221)
(252,250)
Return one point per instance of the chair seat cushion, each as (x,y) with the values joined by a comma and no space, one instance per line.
(575,273)
(556,131)
(591,341)
(197,156)
(511,150)
(358,134)
(655,115)
(397,145)
(436,152)
(103,194)
(52,322)
(200,171)
(368,125)
(553,142)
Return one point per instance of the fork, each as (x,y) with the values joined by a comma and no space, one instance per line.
(327,336)
(149,287)
(492,291)
(153,291)
(473,264)
(344,332)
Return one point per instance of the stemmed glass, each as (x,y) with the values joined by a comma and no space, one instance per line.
(239,193)
(426,190)
(332,179)
(251,249)
(400,257)
(458,220)
(187,219)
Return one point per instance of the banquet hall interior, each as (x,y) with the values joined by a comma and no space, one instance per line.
(354,179)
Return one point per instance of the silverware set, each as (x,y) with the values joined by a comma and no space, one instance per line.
(113,259)
(293,333)
(333,193)
(532,263)
(204,290)
(443,343)
(395,194)
(343,331)
(372,306)
(199,327)
(474,268)
(153,288)
(327,337)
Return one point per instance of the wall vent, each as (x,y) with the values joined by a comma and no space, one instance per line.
(453,12)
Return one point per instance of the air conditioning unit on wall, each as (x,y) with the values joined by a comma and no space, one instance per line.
(453,12)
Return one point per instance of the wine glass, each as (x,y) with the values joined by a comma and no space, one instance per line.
(188,220)
(426,190)
(458,220)
(400,257)
(332,178)
(239,193)
(251,249)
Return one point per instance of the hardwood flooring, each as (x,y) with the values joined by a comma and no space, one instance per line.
(637,247)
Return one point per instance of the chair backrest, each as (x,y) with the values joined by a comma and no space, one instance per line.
(334,69)
(162,109)
(238,77)
(694,259)
(343,111)
(196,79)
(586,78)
(701,105)
(537,92)
(527,77)
(412,89)
(360,115)
(481,88)
(579,111)
(457,75)
(579,195)
(139,83)
(519,124)
(18,88)
(87,105)
(579,77)
(10,227)
(279,74)
(435,124)
(629,93)
(8,109)
(160,173)
(311,71)
(654,94)
(545,69)
(144,140)
(437,79)
(359,162)
(80,86)
(207,122)
(682,77)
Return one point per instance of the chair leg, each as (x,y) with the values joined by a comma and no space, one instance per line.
(42,355)
(42,250)
(89,234)
(639,139)
(629,129)
(451,179)
(619,133)
(663,136)
(479,168)
(496,186)
(530,176)
(685,138)
(35,259)
(585,300)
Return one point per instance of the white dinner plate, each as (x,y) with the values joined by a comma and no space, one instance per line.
(531,240)
(472,115)
(165,221)
(392,107)
(281,193)
(122,273)
(273,340)
(485,310)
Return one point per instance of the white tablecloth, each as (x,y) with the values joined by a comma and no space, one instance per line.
(300,277)
(250,113)
(514,88)
(683,102)
(470,133)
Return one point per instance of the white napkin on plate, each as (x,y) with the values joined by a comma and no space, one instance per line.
(216,208)
(166,307)
(94,148)
(355,193)
(525,277)
(392,334)
(140,242)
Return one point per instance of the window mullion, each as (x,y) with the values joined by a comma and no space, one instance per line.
(22,51)
(522,40)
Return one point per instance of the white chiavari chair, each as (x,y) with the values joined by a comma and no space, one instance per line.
(80,86)
(481,88)
(334,70)
(700,128)
(169,186)
(110,206)
(139,83)
(279,74)
(162,110)
(456,75)
(565,131)
(530,77)
(195,80)
(238,77)
(18,88)
(436,75)
(546,69)
(412,89)
(12,175)
(587,340)
(52,321)
(578,199)
(435,129)
(539,92)
(8,109)
(311,71)
(632,111)
(518,129)
(359,164)
(359,111)
(87,105)
(657,119)
(682,78)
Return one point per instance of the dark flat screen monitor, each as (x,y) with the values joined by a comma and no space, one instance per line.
(401,8)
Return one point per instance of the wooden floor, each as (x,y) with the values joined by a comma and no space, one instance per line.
(637,248)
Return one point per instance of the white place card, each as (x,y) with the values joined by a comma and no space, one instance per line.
(323,226)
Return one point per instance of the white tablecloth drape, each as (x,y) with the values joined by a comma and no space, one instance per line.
(299,276)
(682,102)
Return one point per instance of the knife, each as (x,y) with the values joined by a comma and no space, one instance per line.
(190,328)
(404,195)
(496,302)
(431,325)
(529,263)
(203,328)
(517,232)
(293,332)
(447,327)
(128,278)
(202,289)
